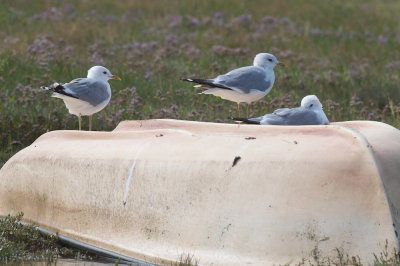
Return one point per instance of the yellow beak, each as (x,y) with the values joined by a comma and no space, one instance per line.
(115,77)
(281,64)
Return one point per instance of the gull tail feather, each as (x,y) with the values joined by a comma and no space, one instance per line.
(246,121)
(207,83)
(58,88)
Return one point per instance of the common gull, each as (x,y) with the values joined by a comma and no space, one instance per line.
(309,113)
(243,85)
(85,96)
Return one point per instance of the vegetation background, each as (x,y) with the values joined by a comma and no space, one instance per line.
(345,52)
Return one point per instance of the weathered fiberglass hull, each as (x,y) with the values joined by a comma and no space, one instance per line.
(227,194)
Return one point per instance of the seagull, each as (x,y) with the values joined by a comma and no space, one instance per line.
(243,85)
(85,96)
(309,113)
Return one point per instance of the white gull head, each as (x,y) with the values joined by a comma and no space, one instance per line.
(101,73)
(311,101)
(266,60)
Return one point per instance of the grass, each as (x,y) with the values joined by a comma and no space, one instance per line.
(18,242)
(25,243)
(186,259)
(385,258)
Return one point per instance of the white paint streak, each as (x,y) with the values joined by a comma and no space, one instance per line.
(128,182)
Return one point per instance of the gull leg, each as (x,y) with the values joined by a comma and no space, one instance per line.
(80,122)
(90,123)
(248,110)
(239,109)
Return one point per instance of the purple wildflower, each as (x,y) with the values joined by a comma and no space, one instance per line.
(174,21)
(243,20)
(219,18)
(192,22)
(97,59)
(395,65)
(382,40)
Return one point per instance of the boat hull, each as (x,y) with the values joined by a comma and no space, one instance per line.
(226,194)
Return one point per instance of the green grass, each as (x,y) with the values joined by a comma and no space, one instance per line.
(344,52)
(25,243)
(18,243)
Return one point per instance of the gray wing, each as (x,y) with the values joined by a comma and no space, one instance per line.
(244,79)
(88,90)
(282,112)
(296,116)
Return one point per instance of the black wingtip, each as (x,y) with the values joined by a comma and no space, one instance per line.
(58,88)
(245,120)
(207,83)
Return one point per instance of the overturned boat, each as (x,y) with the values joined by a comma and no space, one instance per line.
(227,194)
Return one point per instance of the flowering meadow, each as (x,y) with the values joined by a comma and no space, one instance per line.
(345,52)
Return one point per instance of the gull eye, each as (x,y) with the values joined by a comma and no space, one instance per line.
(269,59)
(104,72)
(311,105)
